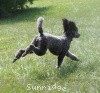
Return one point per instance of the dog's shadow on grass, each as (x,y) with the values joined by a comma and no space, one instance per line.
(67,69)
(64,72)
(29,14)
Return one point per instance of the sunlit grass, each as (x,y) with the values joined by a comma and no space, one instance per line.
(18,31)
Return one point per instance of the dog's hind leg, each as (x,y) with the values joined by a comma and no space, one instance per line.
(39,47)
(28,50)
(19,54)
(72,56)
(37,50)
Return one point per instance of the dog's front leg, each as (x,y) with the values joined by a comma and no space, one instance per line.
(72,56)
(60,59)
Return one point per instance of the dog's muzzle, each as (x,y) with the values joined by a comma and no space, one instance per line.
(77,35)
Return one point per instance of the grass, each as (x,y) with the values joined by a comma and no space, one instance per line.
(76,77)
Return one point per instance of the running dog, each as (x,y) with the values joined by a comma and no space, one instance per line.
(57,45)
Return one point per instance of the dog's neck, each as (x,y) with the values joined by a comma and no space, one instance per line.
(68,37)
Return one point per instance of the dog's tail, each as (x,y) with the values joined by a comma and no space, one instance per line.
(39,25)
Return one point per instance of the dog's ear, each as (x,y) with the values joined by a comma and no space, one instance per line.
(65,21)
(65,24)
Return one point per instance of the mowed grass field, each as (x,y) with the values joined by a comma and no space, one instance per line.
(34,74)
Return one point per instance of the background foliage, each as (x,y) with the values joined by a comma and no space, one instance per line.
(8,6)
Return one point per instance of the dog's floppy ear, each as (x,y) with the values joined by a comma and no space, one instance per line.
(65,24)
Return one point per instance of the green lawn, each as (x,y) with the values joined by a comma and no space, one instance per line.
(34,74)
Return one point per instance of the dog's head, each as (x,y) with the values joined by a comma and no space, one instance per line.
(70,29)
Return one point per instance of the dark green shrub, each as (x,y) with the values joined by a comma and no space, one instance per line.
(8,6)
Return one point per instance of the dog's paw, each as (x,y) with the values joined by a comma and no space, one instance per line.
(14,60)
(58,67)
(77,59)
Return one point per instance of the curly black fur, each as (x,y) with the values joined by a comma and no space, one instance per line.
(57,45)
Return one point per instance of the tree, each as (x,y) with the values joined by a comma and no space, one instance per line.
(8,6)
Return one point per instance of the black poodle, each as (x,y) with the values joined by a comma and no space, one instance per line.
(57,45)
